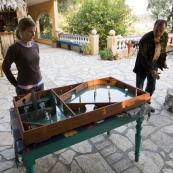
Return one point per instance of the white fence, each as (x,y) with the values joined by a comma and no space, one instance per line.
(74,38)
(121,46)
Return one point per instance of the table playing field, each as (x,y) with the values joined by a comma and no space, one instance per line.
(100,93)
(91,94)
(44,114)
(53,119)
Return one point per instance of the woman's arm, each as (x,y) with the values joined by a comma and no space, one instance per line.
(6,65)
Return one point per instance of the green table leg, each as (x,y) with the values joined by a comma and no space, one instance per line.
(109,133)
(31,169)
(29,162)
(138,138)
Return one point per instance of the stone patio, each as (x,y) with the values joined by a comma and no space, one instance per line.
(101,154)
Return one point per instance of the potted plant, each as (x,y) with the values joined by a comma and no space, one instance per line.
(85,47)
(111,57)
(54,42)
(116,56)
(105,54)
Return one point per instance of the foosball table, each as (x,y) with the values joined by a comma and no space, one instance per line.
(46,121)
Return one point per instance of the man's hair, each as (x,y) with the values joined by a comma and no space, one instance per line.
(160,21)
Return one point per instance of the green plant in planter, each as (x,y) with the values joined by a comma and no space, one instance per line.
(54,42)
(105,53)
(111,57)
(85,47)
(54,39)
(117,56)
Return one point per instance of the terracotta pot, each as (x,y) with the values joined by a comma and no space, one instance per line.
(87,52)
(105,58)
(116,57)
(54,44)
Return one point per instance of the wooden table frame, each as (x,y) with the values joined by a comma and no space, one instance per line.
(73,120)
(30,156)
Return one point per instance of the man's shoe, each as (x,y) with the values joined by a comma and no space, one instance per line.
(152,109)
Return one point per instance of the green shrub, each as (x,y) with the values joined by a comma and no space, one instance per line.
(105,53)
(85,46)
(54,39)
(103,15)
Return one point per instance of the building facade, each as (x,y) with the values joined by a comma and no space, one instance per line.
(12,11)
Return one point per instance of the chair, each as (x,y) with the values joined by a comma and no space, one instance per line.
(6,40)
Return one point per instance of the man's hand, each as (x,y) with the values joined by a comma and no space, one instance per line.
(165,65)
(155,75)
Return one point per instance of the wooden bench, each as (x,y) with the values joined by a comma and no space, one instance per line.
(69,44)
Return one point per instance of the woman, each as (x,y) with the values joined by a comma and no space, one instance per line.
(25,54)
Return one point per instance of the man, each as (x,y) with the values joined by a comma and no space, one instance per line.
(151,56)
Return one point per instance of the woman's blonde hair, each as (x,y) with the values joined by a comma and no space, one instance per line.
(24,23)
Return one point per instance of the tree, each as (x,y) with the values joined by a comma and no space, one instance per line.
(45,26)
(64,6)
(102,15)
(162,9)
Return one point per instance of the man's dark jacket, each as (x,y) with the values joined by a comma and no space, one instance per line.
(145,55)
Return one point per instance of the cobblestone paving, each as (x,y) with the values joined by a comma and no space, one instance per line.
(101,154)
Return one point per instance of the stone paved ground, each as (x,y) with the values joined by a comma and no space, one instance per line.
(101,154)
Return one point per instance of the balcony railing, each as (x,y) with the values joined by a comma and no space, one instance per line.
(121,46)
(74,38)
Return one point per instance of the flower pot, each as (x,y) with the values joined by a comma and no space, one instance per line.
(105,58)
(116,57)
(87,52)
(54,44)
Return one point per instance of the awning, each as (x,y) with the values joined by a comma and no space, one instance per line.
(12,4)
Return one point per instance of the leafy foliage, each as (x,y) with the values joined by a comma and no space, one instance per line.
(105,53)
(102,15)
(64,6)
(85,47)
(54,39)
(45,26)
(162,9)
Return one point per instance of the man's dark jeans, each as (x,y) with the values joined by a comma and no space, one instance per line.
(21,91)
(151,83)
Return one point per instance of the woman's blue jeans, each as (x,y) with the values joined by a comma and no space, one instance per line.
(151,83)
(20,91)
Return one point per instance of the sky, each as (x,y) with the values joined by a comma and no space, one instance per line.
(139,6)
